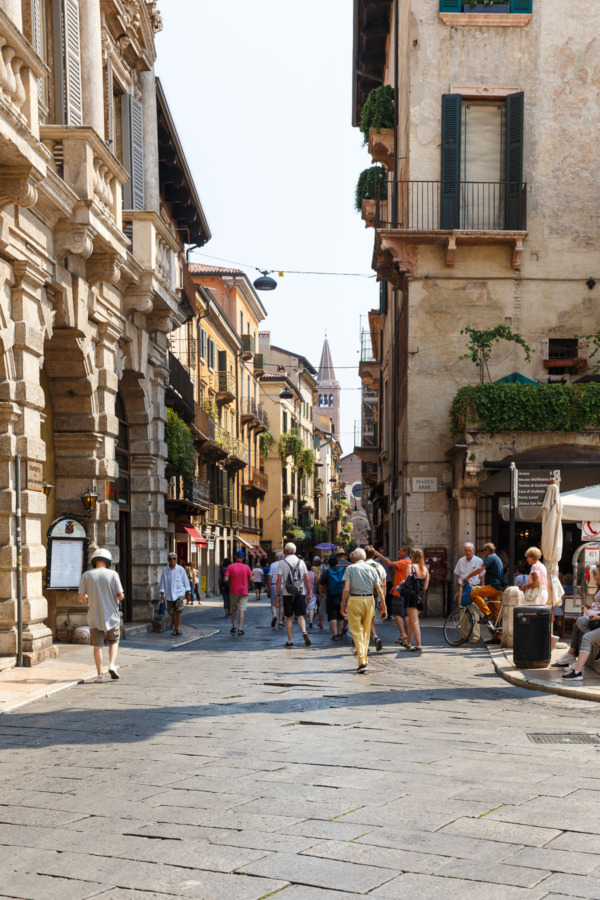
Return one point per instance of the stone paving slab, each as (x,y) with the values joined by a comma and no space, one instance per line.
(503,873)
(569,861)
(440,843)
(352,851)
(572,886)
(409,886)
(41,887)
(320,872)
(488,829)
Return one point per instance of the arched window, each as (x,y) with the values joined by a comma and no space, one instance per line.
(331,399)
(320,399)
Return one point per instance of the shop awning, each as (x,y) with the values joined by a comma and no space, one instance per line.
(196,536)
(255,549)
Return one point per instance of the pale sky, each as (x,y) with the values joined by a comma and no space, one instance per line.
(261,96)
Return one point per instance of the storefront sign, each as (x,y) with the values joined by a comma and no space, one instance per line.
(211,545)
(67,554)
(590,531)
(35,476)
(532,486)
(592,554)
(424,485)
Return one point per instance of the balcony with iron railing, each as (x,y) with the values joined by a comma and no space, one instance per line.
(180,390)
(248,347)
(224,384)
(238,454)
(255,482)
(368,367)
(449,213)
(254,415)
(191,493)
(251,523)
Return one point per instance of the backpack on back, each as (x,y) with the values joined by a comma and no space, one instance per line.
(293,581)
(335,581)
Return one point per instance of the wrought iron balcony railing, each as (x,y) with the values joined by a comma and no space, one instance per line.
(248,344)
(453,206)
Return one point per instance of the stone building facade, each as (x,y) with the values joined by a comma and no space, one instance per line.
(489,219)
(91,284)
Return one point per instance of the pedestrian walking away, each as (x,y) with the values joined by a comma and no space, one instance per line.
(101,589)
(465,582)
(224,585)
(175,588)
(311,605)
(293,581)
(318,569)
(360,580)
(413,589)
(332,583)
(257,579)
(398,568)
(371,561)
(192,574)
(238,576)
(275,596)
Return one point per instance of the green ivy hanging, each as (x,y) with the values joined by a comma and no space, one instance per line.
(180,445)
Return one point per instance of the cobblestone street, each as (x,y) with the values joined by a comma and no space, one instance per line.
(233,768)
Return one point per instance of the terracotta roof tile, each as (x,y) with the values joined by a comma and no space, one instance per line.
(202,269)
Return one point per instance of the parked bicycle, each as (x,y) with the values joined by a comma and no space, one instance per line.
(459,624)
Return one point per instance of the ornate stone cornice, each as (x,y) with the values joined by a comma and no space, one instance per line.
(18,185)
(160,322)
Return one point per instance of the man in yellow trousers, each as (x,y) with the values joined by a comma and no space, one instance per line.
(360,580)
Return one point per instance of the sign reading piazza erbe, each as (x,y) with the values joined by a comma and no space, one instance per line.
(532,485)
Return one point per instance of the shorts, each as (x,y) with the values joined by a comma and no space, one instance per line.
(415,603)
(274,600)
(257,585)
(333,608)
(98,638)
(238,601)
(175,606)
(294,606)
(398,606)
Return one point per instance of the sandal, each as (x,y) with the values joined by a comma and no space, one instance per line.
(178,633)
(241,632)
(288,644)
(232,630)
(402,642)
(416,649)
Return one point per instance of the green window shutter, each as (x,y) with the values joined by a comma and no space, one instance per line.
(133,151)
(383,299)
(451,5)
(521,6)
(450,175)
(515,108)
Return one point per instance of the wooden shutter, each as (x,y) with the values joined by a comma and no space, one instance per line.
(110,104)
(450,175)
(515,109)
(37,39)
(521,6)
(451,5)
(133,151)
(67,62)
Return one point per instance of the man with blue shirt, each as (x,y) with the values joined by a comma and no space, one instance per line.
(487,598)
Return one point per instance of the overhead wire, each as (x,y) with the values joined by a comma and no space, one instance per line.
(283,271)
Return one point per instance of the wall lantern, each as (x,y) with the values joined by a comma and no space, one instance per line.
(265,283)
(89,498)
(47,488)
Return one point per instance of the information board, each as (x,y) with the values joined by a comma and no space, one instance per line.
(67,554)
(532,486)
(436,560)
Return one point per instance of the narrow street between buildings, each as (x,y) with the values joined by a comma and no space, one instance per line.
(234,768)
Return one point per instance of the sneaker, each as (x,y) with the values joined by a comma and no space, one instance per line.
(99,679)
(310,624)
(573,675)
(112,671)
(362,669)
(307,640)
(280,625)
(378,643)
(563,662)
(273,621)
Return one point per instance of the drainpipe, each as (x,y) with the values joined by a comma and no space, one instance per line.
(19,562)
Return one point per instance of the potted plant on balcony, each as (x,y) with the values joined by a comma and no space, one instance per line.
(371,187)
(480,344)
(181,455)
(378,111)
(486,6)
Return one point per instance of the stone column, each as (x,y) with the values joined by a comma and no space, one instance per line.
(151,184)
(465,524)
(14,11)
(28,351)
(511,597)
(92,81)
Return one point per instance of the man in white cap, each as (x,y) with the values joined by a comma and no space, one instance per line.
(102,590)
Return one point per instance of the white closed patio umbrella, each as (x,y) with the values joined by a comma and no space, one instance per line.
(552,541)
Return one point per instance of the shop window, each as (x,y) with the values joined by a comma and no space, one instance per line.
(484,527)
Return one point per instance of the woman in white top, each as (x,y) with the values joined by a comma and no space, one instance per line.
(536,589)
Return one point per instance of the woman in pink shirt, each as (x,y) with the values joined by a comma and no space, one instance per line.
(536,589)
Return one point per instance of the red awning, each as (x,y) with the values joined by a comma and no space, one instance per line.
(195,536)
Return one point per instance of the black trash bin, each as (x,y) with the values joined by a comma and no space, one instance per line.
(532,629)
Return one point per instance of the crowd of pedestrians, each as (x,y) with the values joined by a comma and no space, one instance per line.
(346,593)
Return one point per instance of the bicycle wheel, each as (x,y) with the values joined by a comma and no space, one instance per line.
(458,627)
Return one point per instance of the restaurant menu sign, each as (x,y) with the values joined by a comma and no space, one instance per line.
(67,554)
